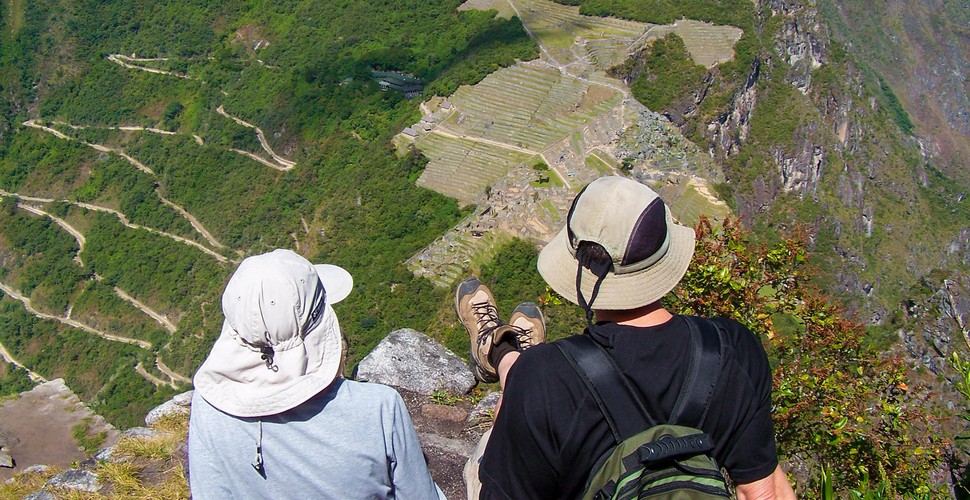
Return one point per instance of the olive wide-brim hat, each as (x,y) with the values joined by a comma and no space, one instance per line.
(280,342)
(650,252)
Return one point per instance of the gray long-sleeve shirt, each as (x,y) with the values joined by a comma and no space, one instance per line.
(354,440)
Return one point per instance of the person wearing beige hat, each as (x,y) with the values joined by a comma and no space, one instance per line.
(618,255)
(271,415)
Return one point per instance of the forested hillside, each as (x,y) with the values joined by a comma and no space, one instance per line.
(147,147)
(133,176)
(807,131)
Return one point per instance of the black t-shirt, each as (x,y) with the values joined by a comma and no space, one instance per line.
(550,432)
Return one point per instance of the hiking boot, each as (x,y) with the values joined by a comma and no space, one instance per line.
(528,325)
(477,313)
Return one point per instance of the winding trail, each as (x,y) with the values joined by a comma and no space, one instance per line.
(5,354)
(57,133)
(104,149)
(162,320)
(130,128)
(64,225)
(260,159)
(70,322)
(127,62)
(199,228)
(194,222)
(176,377)
(124,221)
(151,378)
(283,162)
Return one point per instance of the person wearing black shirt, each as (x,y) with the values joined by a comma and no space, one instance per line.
(618,255)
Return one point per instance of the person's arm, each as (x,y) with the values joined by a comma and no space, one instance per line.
(206,478)
(775,486)
(409,471)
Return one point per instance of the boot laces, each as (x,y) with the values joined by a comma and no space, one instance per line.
(523,336)
(487,316)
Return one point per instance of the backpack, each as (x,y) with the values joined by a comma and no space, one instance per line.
(651,459)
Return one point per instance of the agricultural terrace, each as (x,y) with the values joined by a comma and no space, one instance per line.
(14,17)
(566,36)
(503,7)
(462,168)
(510,116)
(708,44)
(561,111)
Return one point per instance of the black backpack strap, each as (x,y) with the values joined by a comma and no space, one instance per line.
(608,386)
(616,398)
(702,375)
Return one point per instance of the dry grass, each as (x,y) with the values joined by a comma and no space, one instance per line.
(25,484)
(141,479)
(146,469)
(172,429)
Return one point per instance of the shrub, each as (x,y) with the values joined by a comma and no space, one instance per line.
(838,403)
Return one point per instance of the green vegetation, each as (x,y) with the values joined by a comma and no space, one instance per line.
(99,371)
(349,200)
(91,443)
(731,12)
(896,108)
(42,262)
(663,74)
(13,380)
(443,397)
(826,379)
(598,164)
(146,265)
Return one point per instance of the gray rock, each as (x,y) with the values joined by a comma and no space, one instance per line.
(7,439)
(6,460)
(35,468)
(139,433)
(412,361)
(74,479)
(105,455)
(179,405)
(485,409)
(39,495)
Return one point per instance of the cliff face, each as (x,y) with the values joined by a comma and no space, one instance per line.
(937,324)
(922,49)
(841,161)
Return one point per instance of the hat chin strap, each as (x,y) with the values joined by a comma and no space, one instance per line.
(600,269)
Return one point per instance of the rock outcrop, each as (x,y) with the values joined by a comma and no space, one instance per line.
(30,440)
(410,360)
(179,405)
(432,381)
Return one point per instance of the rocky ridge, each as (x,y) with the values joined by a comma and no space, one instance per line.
(435,384)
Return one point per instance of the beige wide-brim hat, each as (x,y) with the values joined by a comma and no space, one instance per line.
(280,342)
(650,252)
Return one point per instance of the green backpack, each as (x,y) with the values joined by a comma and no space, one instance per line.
(653,460)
